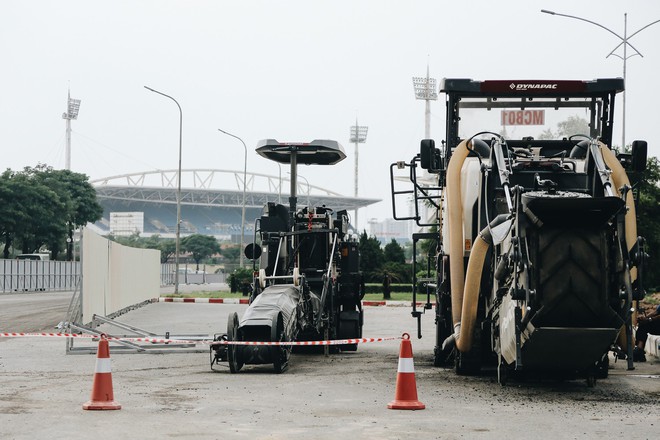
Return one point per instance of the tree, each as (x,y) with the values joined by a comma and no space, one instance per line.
(78,197)
(395,267)
(648,220)
(167,248)
(547,134)
(427,248)
(231,255)
(398,272)
(393,252)
(371,256)
(571,126)
(41,207)
(11,213)
(200,246)
(134,240)
(33,212)
(240,278)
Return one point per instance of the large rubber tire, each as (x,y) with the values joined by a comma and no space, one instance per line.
(352,328)
(233,351)
(443,318)
(280,353)
(349,329)
(442,358)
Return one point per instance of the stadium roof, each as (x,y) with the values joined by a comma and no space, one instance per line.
(200,187)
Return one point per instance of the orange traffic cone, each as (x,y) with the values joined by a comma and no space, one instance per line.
(405,396)
(102,395)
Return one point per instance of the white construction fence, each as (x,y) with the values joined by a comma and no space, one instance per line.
(115,277)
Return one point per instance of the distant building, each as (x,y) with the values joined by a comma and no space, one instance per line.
(126,223)
(146,202)
(389,229)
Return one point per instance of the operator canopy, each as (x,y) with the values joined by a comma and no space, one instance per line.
(317,152)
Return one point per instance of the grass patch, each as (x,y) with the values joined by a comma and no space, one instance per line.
(394,296)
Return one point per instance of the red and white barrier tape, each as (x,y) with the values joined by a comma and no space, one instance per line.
(307,343)
(365,303)
(207,341)
(45,335)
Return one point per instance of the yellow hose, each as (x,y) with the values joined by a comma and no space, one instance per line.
(471,294)
(455,225)
(619,179)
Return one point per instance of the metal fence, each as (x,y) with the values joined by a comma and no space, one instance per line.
(188,276)
(36,275)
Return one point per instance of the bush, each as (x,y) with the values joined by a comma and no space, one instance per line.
(239,277)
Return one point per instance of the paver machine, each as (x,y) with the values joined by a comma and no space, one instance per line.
(307,285)
(535,263)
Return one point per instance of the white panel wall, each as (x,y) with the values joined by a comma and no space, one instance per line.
(115,277)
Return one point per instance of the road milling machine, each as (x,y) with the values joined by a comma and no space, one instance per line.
(535,263)
(307,286)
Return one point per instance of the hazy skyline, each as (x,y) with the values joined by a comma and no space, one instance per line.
(289,70)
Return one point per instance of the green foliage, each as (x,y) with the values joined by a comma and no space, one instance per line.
(398,272)
(230,255)
(393,252)
(133,240)
(648,220)
(166,246)
(427,249)
(371,257)
(239,277)
(42,207)
(200,246)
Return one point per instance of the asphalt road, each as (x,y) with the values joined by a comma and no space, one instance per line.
(177,395)
(33,311)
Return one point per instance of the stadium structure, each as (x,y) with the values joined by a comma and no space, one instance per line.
(211,202)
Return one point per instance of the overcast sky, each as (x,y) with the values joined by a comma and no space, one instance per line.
(289,70)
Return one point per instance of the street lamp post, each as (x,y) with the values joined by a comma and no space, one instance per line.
(625,42)
(244,185)
(178,195)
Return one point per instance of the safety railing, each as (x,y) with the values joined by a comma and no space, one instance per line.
(45,275)
(38,275)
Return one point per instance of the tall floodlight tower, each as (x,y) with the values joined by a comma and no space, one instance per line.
(73,105)
(425,89)
(358,136)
